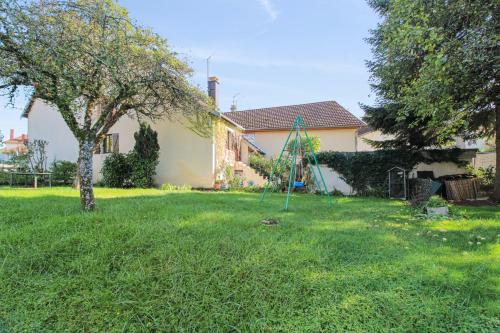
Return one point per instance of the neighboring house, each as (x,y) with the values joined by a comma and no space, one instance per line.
(269,127)
(185,157)
(13,146)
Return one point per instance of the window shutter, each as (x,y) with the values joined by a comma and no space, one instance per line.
(116,145)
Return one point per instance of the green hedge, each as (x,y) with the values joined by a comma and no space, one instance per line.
(366,172)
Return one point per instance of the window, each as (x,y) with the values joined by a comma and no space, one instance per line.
(231,141)
(110,144)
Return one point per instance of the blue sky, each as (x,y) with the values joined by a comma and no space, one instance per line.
(269,52)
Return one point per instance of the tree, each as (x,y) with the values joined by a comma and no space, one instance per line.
(435,72)
(90,61)
(144,157)
(37,155)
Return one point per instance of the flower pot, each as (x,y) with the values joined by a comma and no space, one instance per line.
(438,211)
(217,186)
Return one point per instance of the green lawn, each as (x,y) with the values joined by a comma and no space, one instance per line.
(147,260)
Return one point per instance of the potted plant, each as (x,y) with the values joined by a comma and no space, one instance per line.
(436,206)
(217,185)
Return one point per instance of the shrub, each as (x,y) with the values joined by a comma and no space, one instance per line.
(171,187)
(315,143)
(63,171)
(4,177)
(486,176)
(116,170)
(436,201)
(261,164)
(236,182)
(144,158)
(366,172)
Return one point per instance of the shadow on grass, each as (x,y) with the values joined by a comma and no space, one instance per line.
(202,261)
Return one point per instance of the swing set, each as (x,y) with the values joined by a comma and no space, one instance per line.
(296,163)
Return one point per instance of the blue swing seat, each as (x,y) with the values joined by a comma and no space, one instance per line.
(298,184)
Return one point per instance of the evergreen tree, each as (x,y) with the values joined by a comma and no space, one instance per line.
(144,157)
(435,71)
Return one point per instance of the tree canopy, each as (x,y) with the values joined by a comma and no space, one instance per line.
(87,58)
(435,71)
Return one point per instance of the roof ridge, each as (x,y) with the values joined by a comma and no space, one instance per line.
(285,106)
(325,114)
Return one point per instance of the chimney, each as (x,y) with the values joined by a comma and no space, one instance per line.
(213,81)
(233,107)
(11,134)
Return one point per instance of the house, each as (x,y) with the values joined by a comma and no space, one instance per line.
(269,127)
(185,157)
(14,145)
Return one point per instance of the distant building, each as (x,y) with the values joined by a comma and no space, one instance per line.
(13,145)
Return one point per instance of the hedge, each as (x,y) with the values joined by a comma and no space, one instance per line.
(366,172)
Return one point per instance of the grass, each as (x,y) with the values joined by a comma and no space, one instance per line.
(149,260)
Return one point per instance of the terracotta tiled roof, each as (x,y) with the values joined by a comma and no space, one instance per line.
(327,114)
(364,130)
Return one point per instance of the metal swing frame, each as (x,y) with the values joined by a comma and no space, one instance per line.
(297,126)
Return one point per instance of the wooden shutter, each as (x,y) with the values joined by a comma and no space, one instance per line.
(116,144)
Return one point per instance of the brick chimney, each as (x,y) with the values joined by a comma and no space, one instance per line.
(213,81)
(11,134)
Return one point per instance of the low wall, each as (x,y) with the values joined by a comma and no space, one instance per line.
(484,160)
(333,180)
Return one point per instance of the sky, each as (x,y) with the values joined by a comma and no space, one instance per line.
(264,52)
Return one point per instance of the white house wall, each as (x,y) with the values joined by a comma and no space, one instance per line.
(46,123)
(185,157)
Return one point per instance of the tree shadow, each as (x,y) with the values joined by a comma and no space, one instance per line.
(204,260)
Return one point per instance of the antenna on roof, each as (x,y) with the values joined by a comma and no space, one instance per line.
(234,106)
(208,67)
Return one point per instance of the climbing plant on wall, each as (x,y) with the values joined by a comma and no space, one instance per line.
(366,172)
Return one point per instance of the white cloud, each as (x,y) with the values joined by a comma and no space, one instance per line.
(269,8)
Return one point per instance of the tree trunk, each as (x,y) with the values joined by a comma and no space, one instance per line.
(496,195)
(85,175)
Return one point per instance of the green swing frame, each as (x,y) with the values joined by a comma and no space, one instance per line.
(297,126)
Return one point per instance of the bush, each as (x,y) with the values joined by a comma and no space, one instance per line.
(315,143)
(236,182)
(366,172)
(486,176)
(4,177)
(171,187)
(261,164)
(145,157)
(116,171)
(63,171)
(436,201)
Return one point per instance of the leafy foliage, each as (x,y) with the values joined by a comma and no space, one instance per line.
(366,172)
(116,171)
(63,171)
(90,61)
(262,165)
(436,201)
(486,176)
(435,72)
(172,188)
(145,156)
(315,143)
